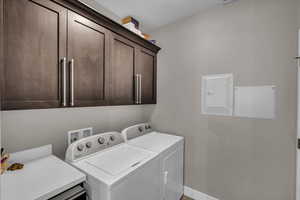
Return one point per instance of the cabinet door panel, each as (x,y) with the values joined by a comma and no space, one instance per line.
(34,44)
(147,68)
(122,73)
(88,45)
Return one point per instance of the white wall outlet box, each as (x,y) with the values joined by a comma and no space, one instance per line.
(217,94)
(255,102)
(75,135)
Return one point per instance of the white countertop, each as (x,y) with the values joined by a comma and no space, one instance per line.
(40,179)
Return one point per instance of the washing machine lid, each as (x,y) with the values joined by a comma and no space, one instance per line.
(118,160)
(155,141)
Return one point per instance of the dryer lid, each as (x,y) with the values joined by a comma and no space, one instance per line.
(118,160)
(155,142)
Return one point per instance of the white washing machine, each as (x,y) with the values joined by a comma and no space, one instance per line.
(170,150)
(116,170)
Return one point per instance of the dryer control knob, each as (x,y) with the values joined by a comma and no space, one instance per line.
(141,129)
(112,138)
(80,147)
(101,140)
(147,127)
(88,145)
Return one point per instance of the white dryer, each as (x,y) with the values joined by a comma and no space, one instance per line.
(114,169)
(170,149)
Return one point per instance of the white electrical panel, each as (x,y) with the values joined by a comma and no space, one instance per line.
(255,102)
(217,94)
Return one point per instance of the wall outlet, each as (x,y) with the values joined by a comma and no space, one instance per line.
(75,135)
(87,132)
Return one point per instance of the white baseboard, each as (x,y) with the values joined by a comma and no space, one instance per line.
(196,195)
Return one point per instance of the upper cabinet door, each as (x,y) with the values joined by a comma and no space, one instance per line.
(88,54)
(34,45)
(123,58)
(146,67)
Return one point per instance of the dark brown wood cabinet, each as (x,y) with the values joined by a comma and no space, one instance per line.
(88,55)
(60,53)
(146,67)
(130,60)
(123,60)
(34,41)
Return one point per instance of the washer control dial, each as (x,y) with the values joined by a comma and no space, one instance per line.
(101,140)
(80,147)
(88,145)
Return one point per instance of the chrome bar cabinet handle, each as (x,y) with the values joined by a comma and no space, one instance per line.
(72,82)
(140,89)
(64,81)
(136,81)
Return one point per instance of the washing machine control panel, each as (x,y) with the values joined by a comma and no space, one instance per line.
(136,131)
(93,144)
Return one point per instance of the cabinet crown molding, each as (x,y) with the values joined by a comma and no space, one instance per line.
(78,6)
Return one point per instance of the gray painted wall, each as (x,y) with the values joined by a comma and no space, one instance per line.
(298,14)
(33,128)
(232,158)
(95,5)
